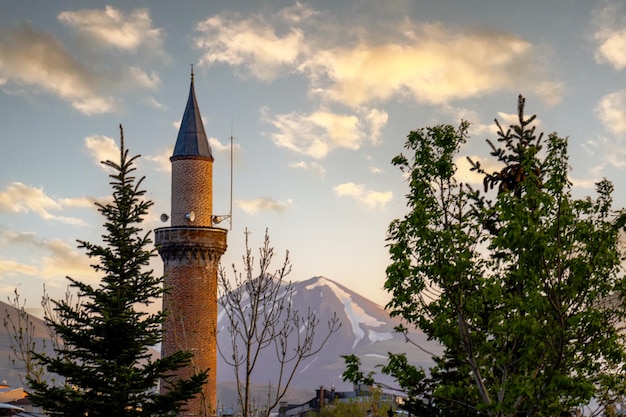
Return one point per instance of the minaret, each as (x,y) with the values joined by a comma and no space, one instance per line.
(191,249)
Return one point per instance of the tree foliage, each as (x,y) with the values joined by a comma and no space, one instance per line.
(520,282)
(261,316)
(103,365)
(373,404)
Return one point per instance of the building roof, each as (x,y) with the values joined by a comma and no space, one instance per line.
(192,139)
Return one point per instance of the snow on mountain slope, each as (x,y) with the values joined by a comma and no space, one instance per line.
(367,331)
(354,312)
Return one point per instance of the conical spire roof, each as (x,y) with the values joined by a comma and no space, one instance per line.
(192,139)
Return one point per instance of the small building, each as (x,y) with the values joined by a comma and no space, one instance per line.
(324,397)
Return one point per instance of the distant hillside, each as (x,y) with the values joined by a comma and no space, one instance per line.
(367,331)
(9,371)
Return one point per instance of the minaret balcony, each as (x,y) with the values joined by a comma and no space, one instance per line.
(198,236)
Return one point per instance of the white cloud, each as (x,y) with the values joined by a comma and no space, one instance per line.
(249,42)
(610,152)
(9,267)
(263,204)
(376,119)
(153,102)
(318,133)
(37,59)
(612,111)
(313,167)
(150,81)
(51,260)
(224,148)
(80,202)
(342,130)
(111,27)
(427,62)
(20,198)
(64,260)
(162,160)
(359,192)
(465,175)
(610,34)
(613,49)
(476,127)
(102,148)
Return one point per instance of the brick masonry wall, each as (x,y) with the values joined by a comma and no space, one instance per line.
(191,257)
(192,190)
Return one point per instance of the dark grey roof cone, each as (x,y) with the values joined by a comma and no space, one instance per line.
(192,139)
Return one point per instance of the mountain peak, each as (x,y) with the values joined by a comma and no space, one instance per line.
(367,330)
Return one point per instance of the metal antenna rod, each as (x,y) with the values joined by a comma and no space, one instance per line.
(231,174)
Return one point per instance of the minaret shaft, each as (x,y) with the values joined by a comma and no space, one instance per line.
(192,191)
(191,249)
(191,256)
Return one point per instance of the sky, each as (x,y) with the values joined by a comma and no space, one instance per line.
(318,97)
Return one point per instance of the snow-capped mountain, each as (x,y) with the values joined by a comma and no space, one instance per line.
(367,331)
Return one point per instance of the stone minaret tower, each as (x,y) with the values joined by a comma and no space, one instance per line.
(191,249)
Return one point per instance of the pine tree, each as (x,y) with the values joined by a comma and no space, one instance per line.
(104,366)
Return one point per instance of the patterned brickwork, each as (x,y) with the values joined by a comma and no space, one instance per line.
(192,190)
(191,257)
(191,249)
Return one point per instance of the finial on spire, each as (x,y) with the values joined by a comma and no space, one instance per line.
(191,72)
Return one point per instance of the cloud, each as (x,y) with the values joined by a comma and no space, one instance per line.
(466,176)
(359,192)
(376,119)
(610,152)
(613,49)
(37,59)
(432,65)
(51,260)
(251,43)
(79,202)
(612,111)
(426,62)
(610,34)
(102,148)
(150,81)
(64,260)
(10,267)
(476,127)
(11,237)
(110,27)
(263,204)
(162,160)
(313,167)
(153,102)
(20,198)
(318,133)
(224,148)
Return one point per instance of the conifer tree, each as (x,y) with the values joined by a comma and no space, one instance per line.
(103,366)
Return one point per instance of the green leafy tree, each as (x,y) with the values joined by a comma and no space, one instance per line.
(520,282)
(103,366)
